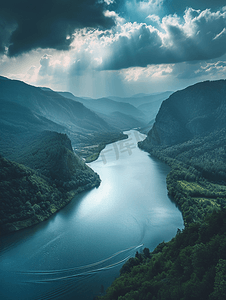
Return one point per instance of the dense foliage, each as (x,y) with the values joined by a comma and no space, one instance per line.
(91,146)
(48,178)
(191,266)
(196,182)
(25,196)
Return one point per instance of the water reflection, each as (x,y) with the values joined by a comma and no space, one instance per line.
(83,246)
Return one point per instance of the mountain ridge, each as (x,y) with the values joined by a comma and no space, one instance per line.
(52,106)
(188,113)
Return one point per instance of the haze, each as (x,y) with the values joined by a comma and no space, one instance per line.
(109,47)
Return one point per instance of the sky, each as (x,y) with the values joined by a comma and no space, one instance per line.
(98,48)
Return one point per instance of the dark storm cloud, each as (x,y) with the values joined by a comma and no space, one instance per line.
(47,23)
(199,35)
(6,29)
(135,50)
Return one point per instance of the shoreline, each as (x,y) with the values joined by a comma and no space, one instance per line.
(38,218)
(43,215)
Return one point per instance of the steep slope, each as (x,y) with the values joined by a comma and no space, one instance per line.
(107,106)
(108,109)
(191,266)
(33,128)
(189,135)
(18,124)
(194,111)
(139,99)
(123,121)
(46,103)
(151,109)
(26,110)
(56,174)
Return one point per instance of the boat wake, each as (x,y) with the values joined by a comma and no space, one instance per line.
(61,282)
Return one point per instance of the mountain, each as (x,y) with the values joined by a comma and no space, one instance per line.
(105,106)
(195,111)
(25,109)
(49,104)
(150,109)
(189,135)
(140,99)
(123,121)
(40,173)
(48,178)
(191,266)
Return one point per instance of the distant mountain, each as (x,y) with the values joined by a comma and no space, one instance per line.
(33,127)
(49,104)
(150,109)
(123,121)
(195,111)
(189,134)
(18,124)
(140,99)
(71,96)
(107,107)
(139,95)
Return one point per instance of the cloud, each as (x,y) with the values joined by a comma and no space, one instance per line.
(45,67)
(27,25)
(145,74)
(198,35)
(210,70)
(179,6)
(150,5)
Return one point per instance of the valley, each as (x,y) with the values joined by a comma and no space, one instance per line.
(50,134)
(48,138)
(189,136)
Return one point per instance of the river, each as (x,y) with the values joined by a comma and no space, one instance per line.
(79,251)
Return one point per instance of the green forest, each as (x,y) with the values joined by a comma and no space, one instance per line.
(193,264)
(90,148)
(197,180)
(46,178)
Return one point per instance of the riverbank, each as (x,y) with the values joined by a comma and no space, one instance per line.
(38,215)
(195,183)
(191,266)
(113,221)
(90,151)
(28,198)
(38,198)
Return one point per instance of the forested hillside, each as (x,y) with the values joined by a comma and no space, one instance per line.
(189,135)
(192,266)
(56,174)
(38,163)
(73,115)
(198,175)
(195,111)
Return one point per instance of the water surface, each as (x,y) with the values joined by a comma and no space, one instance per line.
(79,251)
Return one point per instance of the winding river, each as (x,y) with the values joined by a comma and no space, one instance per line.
(79,251)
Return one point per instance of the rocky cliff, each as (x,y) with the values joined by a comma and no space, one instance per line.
(192,112)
